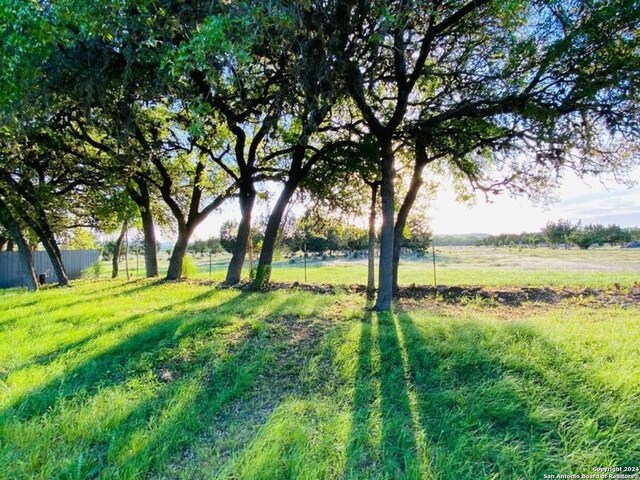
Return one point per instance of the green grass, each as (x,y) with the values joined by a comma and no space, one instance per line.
(117,380)
(600,267)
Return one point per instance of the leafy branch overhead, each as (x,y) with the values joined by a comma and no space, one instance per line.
(187,106)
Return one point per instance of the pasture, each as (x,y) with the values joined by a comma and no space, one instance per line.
(292,123)
(149,379)
(600,267)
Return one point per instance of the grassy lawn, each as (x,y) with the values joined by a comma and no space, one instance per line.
(600,267)
(153,380)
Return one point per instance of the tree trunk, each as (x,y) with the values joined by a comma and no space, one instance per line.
(43,231)
(385,269)
(177,256)
(40,226)
(371,262)
(24,251)
(117,251)
(250,260)
(3,242)
(51,247)
(403,216)
(143,200)
(10,245)
(263,272)
(26,258)
(150,243)
(126,254)
(234,272)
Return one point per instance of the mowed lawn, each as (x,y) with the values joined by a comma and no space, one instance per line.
(600,267)
(117,380)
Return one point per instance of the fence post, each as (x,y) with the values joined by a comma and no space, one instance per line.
(126,255)
(305,262)
(433,256)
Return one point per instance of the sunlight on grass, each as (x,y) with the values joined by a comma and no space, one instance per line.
(485,266)
(175,380)
(301,439)
(420,436)
(601,267)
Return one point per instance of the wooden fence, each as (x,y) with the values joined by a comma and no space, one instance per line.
(75,261)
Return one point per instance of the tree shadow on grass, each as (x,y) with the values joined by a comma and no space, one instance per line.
(385,439)
(104,289)
(282,427)
(102,369)
(168,423)
(137,352)
(316,434)
(362,449)
(257,356)
(112,289)
(210,360)
(56,352)
(442,399)
(505,402)
(313,434)
(189,310)
(29,301)
(431,399)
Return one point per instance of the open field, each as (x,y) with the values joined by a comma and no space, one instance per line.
(601,267)
(158,380)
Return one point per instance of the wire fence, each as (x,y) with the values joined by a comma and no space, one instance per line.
(442,266)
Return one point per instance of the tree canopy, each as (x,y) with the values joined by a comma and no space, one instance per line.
(182,106)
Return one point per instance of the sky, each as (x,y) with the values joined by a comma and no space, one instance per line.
(589,201)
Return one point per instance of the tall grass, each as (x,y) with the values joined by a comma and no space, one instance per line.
(151,380)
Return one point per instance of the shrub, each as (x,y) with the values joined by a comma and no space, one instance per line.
(92,271)
(189,267)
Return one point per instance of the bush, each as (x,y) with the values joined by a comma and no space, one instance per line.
(92,271)
(189,267)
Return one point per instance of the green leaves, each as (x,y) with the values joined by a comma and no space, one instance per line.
(207,45)
(26,41)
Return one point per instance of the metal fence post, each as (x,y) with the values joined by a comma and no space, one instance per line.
(433,256)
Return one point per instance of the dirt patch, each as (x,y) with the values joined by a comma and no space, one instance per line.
(517,296)
(508,296)
(292,341)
